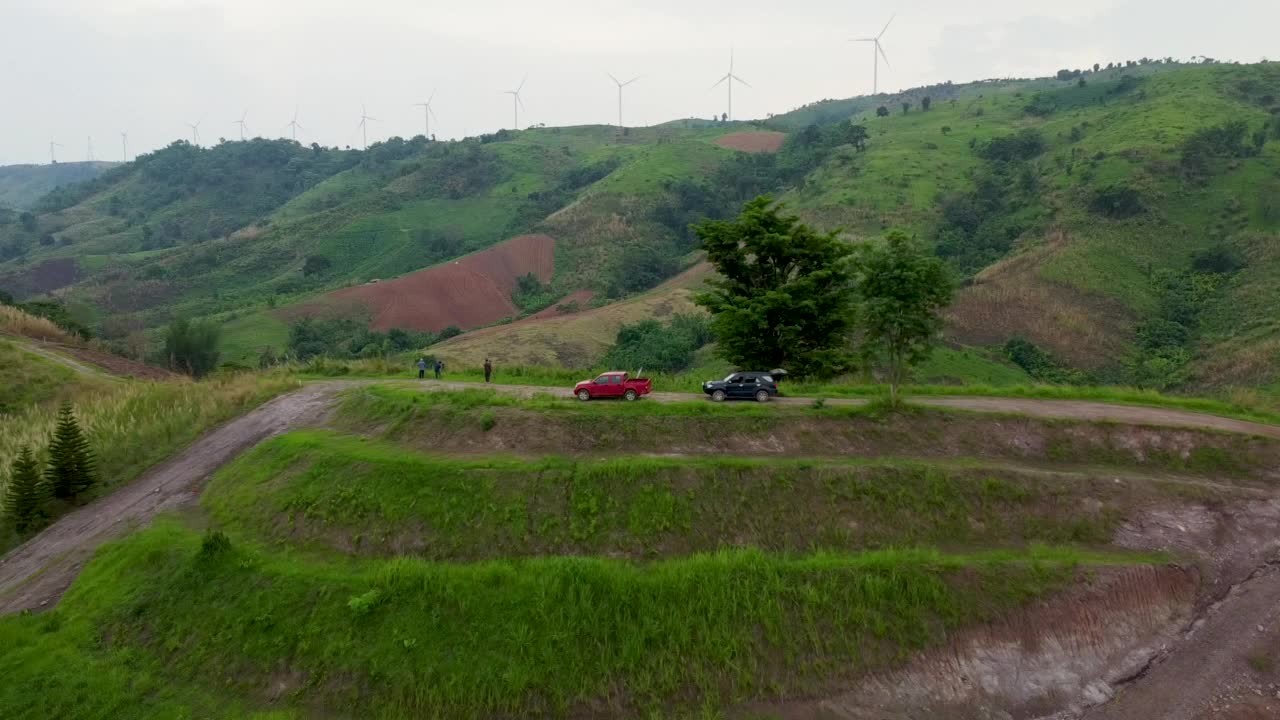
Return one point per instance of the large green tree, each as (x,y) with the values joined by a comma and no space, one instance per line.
(782,295)
(25,496)
(72,468)
(902,289)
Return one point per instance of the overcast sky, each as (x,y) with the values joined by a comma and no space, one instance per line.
(74,69)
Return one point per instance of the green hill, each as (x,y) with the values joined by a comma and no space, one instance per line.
(1121,222)
(22,185)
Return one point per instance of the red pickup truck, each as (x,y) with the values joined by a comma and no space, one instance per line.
(613,385)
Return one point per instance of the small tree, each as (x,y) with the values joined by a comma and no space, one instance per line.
(902,290)
(72,469)
(946,129)
(315,265)
(782,297)
(25,496)
(906,108)
(192,347)
(925,102)
(882,111)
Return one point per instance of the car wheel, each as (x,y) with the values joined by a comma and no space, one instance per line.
(718,396)
(762,396)
(630,395)
(584,395)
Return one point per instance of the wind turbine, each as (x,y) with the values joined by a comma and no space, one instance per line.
(620,86)
(53,158)
(516,102)
(89,152)
(364,126)
(730,78)
(241,123)
(427,113)
(877,52)
(293,124)
(124,146)
(195,132)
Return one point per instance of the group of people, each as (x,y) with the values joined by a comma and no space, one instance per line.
(439,368)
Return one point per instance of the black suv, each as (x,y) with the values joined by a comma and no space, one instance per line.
(758,386)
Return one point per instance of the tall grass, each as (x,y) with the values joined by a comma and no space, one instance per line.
(134,425)
(412,639)
(17,322)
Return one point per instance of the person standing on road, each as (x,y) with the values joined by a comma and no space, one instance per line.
(422,368)
(488,369)
(439,368)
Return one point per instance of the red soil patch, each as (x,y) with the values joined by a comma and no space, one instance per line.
(115,364)
(578,299)
(45,277)
(765,141)
(468,292)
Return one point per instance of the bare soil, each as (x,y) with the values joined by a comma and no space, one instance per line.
(35,574)
(468,292)
(753,142)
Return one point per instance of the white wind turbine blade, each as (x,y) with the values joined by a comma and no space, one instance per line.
(431,97)
(744,82)
(521,87)
(614,79)
(886,26)
(719,82)
(518,100)
(886,57)
(431,112)
(632,80)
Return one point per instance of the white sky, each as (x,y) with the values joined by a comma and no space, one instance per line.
(74,69)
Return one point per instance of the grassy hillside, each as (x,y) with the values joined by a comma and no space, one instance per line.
(21,186)
(1120,221)
(394,565)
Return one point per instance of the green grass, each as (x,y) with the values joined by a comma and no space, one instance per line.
(28,380)
(244,338)
(410,638)
(392,501)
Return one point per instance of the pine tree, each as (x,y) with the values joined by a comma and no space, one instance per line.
(25,496)
(72,469)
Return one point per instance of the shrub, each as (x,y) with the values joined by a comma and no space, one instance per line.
(1117,201)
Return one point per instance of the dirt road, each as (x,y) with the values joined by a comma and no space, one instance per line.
(36,573)
(1030,407)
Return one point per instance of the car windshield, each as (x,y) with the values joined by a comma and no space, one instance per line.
(729,377)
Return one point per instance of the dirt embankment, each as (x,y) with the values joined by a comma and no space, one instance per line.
(1249,460)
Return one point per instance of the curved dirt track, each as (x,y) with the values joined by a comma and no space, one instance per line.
(64,361)
(36,573)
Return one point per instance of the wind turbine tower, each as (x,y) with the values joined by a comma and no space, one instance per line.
(293,124)
(124,146)
(364,126)
(877,52)
(427,114)
(53,157)
(620,86)
(195,132)
(516,103)
(730,78)
(89,152)
(241,123)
